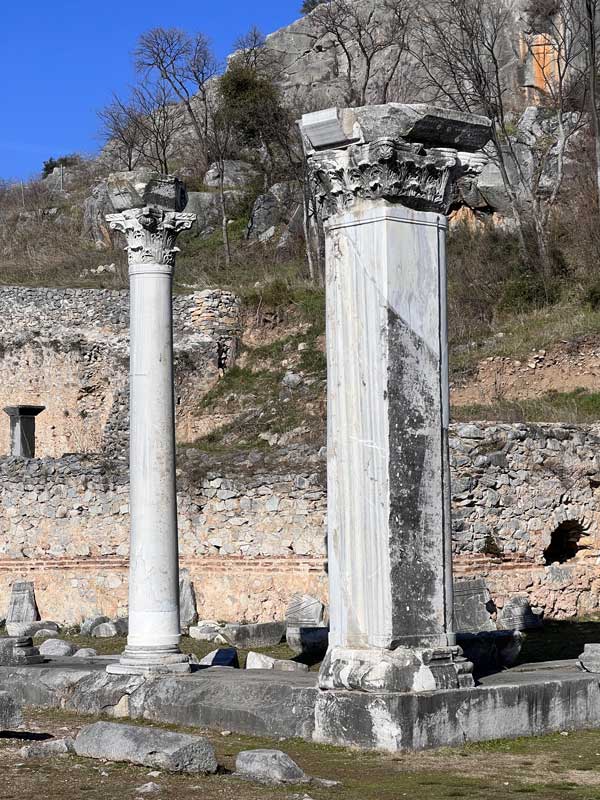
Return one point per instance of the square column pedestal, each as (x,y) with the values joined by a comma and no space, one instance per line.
(388,478)
(389,531)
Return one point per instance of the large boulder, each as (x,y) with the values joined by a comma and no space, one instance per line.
(237,175)
(88,625)
(151,747)
(207,208)
(276,207)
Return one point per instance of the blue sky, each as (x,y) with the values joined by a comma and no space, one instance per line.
(60,61)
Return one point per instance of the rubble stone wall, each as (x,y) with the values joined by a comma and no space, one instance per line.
(250,535)
(521,493)
(68,350)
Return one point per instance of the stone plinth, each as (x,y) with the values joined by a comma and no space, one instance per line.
(151,232)
(22,429)
(384,179)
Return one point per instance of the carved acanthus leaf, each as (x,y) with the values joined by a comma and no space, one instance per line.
(388,169)
(151,233)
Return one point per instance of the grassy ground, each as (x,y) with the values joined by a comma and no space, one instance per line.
(547,768)
(580,407)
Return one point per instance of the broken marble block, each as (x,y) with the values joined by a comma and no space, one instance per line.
(22,607)
(51,747)
(473,606)
(18,650)
(517,615)
(224,657)
(305,610)
(589,660)
(268,766)
(144,187)
(261,634)
(206,631)
(261,661)
(151,747)
(10,712)
(188,614)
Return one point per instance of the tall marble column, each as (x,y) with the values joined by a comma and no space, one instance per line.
(151,231)
(384,178)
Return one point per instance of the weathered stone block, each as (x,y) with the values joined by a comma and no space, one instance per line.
(151,747)
(268,766)
(89,624)
(57,648)
(261,661)
(473,606)
(188,614)
(22,607)
(309,641)
(143,187)
(52,747)
(517,615)
(223,657)
(305,610)
(265,634)
(10,712)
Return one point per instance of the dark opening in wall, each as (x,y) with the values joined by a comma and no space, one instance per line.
(564,543)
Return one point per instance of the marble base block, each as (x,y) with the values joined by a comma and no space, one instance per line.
(154,661)
(402,670)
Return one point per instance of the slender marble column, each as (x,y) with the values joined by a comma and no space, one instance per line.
(154,631)
(384,196)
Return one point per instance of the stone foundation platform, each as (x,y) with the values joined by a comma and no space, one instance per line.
(526,701)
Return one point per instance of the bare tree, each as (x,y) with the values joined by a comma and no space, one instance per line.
(186,64)
(463,47)
(591,8)
(156,114)
(122,131)
(372,39)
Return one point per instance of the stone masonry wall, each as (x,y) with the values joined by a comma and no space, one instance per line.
(252,527)
(517,491)
(68,349)
(251,535)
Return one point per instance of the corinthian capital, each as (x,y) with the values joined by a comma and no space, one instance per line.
(151,233)
(413,155)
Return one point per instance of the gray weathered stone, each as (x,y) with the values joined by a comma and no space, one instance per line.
(261,661)
(188,614)
(31,628)
(46,633)
(151,747)
(51,747)
(57,647)
(260,634)
(144,187)
(85,652)
(236,175)
(491,651)
(106,630)
(268,766)
(589,660)
(207,208)
(88,625)
(10,712)
(15,650)
(22,607)
(473,606)
(205,631)
(517,615)
(223,657)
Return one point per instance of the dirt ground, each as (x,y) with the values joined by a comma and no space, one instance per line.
(553,767)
